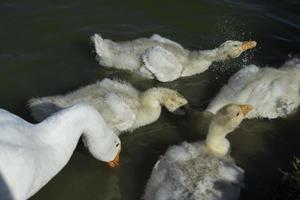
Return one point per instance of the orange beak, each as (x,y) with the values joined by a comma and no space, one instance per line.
(246,108)
(248,45)
(116,161)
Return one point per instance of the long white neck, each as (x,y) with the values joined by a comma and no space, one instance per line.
(212,55)
(59,135)
(150,107)
(216,139)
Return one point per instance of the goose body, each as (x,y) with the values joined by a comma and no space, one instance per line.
(122,106)
(189,172)
(160,58)
(272,92)
(32,154)
(200,170)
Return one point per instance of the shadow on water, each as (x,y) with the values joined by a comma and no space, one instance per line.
(261,148)
(84,177)
(85,48)
(228,190)
(5,193)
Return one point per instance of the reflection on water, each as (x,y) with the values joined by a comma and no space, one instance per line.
(45,50)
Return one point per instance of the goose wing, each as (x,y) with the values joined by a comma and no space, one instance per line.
(123,114)
(243,76)
(163,64)
(235,90)
(120,87)
(161,39)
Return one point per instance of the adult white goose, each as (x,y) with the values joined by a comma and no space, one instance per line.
(32,154)
(163,59)
(121,105)
(272,92)
(201,170)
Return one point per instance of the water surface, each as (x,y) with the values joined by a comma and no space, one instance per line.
(45,50)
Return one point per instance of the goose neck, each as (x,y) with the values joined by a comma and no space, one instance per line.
(216,139)
(151,96)
(63,130)
(210,55)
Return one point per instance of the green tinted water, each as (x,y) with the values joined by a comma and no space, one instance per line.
(45,50)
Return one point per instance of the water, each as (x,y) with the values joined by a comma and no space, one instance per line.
(45,50)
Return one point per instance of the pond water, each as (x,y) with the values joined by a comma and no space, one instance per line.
(45,50)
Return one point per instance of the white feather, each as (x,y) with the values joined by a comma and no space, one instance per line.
(272,92)
(32,154)
(144,57)
(162,64)
(122,106)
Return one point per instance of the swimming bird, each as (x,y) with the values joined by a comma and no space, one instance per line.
(161,58)
(121,105)
(272,92)
(32,154)
(201,170)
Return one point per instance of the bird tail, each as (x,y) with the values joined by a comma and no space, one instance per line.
(293,63)
(102,50)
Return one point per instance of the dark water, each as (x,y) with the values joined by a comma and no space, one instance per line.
(45,50)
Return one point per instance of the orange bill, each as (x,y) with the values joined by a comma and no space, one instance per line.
(116,161)
(246,108)
(248,45)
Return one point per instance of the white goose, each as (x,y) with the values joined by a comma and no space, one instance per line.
(201,170)
(32,154)
(121,105)
(163,59)
(272,92)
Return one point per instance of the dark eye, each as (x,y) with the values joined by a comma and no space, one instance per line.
(235,45)
(238,114)
(117,144)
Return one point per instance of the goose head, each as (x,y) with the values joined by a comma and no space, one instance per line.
(172,100)
(225,121)
(109,150)
(233,49)
(116,161)
(230,116)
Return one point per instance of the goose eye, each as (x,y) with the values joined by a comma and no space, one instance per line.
(238,114)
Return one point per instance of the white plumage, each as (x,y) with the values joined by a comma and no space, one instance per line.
(272,92)
(163,59)
(32,154)
(200,170)
(121,105)
(190,172)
